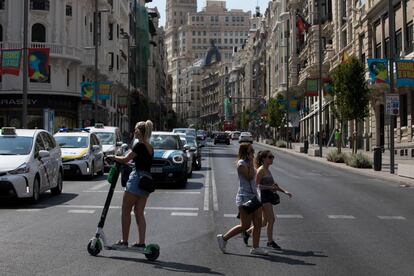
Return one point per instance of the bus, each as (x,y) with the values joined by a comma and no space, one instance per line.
(229,126)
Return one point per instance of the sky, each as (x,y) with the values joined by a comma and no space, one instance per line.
(246,5)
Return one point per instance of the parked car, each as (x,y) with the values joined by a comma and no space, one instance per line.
(189,154)
(187,131)
(81,152)
(111,141)
(246,137)
(30,163)
(222,137)
(194,149)
(201,137)
(235,135)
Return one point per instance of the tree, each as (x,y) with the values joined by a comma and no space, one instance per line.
(276,112)
(351,95)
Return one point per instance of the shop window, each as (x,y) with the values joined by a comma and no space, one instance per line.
(41,5)
(2,4)
(38,33)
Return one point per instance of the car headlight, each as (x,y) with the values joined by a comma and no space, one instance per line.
(23,168)
(178,159)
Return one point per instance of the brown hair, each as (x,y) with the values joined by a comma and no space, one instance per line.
(261,155)
(243,151)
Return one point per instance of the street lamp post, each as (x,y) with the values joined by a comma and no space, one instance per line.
(287,86)
(95,39)
(128,37)
(320,77)
(25,62)
(391,17)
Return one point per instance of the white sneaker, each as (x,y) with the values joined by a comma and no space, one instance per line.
(259,251)
(221,243)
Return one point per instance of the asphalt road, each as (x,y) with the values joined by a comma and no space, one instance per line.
(337,223)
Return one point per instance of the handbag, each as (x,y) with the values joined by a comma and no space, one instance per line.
(252,205)
(275,199)
(146,183)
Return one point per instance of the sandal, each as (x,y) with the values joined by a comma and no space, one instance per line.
(138,245)
(120,244)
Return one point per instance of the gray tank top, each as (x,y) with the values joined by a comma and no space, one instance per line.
(267,180)
(246,188)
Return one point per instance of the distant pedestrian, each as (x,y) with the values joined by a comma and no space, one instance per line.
(268,187)
(247,191)
(338,139)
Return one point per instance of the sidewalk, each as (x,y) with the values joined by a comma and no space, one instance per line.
(384,174)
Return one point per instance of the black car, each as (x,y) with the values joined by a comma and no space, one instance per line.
(222,137)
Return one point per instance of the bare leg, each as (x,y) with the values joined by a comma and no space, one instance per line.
(257,225)
(264,223)
(127,204)
(245,220)
(140,217)
(270,219)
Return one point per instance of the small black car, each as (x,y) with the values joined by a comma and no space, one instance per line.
(222,137)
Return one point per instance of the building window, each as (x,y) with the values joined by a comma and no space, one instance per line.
(111,61)
(111,31)
(403,111)
(377,53)
(40,5)
(387,48)
(1,33)
(67,77)
(409,42)
(117,62)
(68,10)
(38,33)
(398,43)
(2,4)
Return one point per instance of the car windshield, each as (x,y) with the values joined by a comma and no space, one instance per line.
(190,141)
(165,142)
(71,142)
(106,138)
(15,145)
(201,132)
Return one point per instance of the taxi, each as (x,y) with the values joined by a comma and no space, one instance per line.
(30,163)
(81,152)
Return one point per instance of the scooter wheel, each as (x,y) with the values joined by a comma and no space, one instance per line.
(94,251)
(152,252)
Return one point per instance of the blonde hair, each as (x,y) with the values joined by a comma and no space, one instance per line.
(145,128)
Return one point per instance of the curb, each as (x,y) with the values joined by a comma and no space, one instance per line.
(401,181)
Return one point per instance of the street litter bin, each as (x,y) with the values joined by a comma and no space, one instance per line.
(305,146)
(377,158)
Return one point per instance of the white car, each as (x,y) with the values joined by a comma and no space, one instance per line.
(110,138)
(246,137)
(190,154)
(81,152)
(30,163)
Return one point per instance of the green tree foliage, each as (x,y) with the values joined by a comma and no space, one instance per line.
(351,93)
(276,112)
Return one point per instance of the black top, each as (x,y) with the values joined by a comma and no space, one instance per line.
(143,160)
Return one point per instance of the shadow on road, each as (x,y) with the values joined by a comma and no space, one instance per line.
(170,266)
(275,258)
(292,252)
(46,200)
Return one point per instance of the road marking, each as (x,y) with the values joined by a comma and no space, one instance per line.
(213,182)
(97,187)
(28,210)
(207,187)
(184,214)
(100,191)
(391,217)
(341,217)
(230,215)
(119,207)
(156,192)
(289,216)
(81,211)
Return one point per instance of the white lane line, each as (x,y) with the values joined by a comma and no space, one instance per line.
(97,187)
(341,217)
(207,187)
(87,206)
(230,215)
(391,217)
(74,211)
(156,192)
(100,191)
(184,214)
(213,182)
(119,207)
(28,210)
(172,208)
(286,216)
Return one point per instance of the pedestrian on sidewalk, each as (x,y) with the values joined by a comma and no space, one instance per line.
(134,197)
(268,194)
(247,191)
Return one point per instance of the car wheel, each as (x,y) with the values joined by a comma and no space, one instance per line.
(36,191)
(198,166)
(58,189)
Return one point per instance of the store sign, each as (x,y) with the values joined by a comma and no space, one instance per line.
(104,90)
(405,73)
(392,104)
(17,101)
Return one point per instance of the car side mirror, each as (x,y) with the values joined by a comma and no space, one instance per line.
(186,147)
(119,144)
(43,153)
(95,147)
(193,149)
(124,146)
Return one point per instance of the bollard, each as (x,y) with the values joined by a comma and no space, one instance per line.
(377,158)
(305,146)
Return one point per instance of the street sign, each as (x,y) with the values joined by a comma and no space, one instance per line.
(392,105)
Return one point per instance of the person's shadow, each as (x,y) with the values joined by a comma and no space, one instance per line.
(170,266)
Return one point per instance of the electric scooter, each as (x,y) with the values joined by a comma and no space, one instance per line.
(98,242)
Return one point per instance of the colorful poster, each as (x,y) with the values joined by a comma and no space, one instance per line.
(39,64)
(10,61)
(311,88)
(405,73)
(378,70)
(327,86)
(87,91)
(104,90)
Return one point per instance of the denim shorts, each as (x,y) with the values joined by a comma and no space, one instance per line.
(132,185)
(240,199)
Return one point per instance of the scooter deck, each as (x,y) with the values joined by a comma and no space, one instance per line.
(127,249)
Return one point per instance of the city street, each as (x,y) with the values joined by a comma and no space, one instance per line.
(336,223)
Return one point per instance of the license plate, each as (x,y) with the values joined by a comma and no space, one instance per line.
(156,170)
(66,167)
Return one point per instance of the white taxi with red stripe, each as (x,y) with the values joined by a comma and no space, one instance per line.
(30,163)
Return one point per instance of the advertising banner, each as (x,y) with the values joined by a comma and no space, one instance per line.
(378,71)
(405,73)
(87,91)
(39,64)
(311,88)
(10,61)
(104,90)
(122,101)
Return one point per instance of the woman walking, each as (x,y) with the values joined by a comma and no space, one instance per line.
(134,197)
(247,190)
(268,187)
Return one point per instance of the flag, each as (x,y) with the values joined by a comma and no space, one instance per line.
(301,24)
(39,64)
(10,61)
